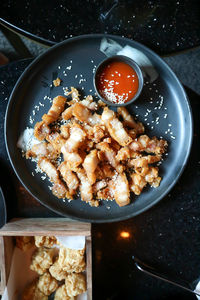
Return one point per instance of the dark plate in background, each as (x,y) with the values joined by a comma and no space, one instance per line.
(163,107)
(3,213)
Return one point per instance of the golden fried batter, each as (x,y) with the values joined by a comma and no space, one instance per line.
(45,241)
(75,284)
(42,259)
(71,260)
(61,294)
(57,271)
(47,284)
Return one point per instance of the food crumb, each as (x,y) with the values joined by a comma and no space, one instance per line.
(57,82)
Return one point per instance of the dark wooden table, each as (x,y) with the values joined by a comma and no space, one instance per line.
(164,26)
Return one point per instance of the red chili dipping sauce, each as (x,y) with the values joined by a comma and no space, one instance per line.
(117,82)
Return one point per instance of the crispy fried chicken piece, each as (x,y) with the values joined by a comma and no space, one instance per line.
(75,284)
(57,271)
(71,260)
(61,294)
(45,241)
(42,259)
(47,284)
(55,110)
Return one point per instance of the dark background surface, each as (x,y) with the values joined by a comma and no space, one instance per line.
(166,236)
(164,26)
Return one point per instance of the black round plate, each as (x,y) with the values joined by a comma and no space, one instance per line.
(162,107)
(3,213)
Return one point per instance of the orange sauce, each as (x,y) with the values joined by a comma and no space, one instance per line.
(118,82)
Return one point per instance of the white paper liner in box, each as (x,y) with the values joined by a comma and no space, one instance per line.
(21,275)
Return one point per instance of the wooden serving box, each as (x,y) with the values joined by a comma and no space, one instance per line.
(43,227)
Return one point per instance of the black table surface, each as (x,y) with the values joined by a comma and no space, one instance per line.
(164,26)
(166,236)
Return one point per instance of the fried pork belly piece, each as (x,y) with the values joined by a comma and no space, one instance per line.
(24,242)
(129,121)
(105,194)
(61,294)
(152,175)
(137,183)
(99,185)
(59,190)
(55,110)
(71,260)
(81,112)
(85,186)
(75,95)
(118,133)
(121,190)
(67,113)
(144,143)
(109,155)
(64,131)
(115,127)
(156,182)
(32,292)
(56,140)
(47,284)
(45,241)
(75,284)
(69,177)
(42,149)
(42,259)
(46,166)
(90,164)
(41,130)
(123,154)
(98,133)
(94,119)
(77,137)
(107,115)
(89,103)
(74,159)
(143,161)
(57,272)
